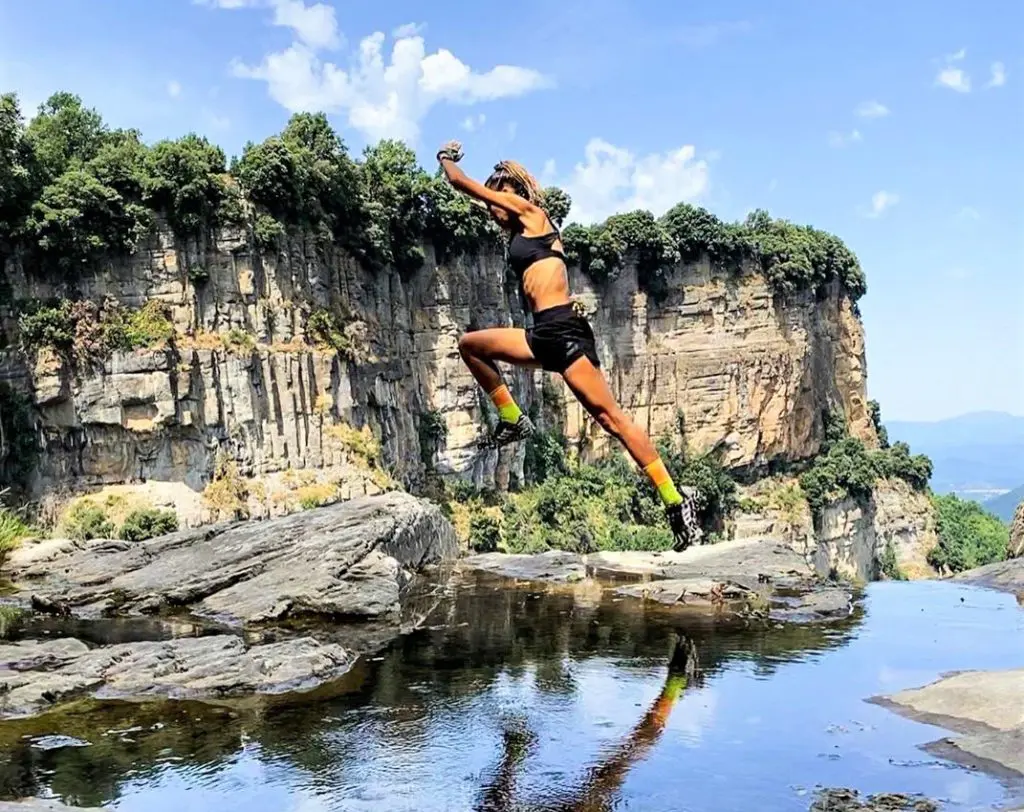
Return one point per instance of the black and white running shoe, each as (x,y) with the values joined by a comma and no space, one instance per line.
(506,432)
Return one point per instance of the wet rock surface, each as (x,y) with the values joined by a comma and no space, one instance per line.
(241,596)
(849,800)
(40,674)
(985,707)
(748,576)
(1007,576)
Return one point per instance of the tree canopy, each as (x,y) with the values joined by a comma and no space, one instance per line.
(73,190)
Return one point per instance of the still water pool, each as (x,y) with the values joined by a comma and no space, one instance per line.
(519,700)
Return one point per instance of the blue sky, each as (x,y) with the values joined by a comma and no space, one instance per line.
(897,125)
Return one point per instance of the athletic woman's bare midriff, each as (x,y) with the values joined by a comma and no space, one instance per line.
(546,284)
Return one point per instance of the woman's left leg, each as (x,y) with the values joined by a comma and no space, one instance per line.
(592,391)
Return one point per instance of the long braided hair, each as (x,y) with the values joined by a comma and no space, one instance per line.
(523,182)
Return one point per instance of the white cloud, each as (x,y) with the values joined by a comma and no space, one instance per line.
(958,274)
(969,213)
(872,109)
(382,97)
(955,79)
(471,123)
(173,89)
(880,201)
(837,139)
(314,25)
(612,179)
(998,75)
(409,30)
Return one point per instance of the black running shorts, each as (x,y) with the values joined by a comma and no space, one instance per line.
(559,336)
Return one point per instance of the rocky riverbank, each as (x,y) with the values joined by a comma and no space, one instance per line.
(219,612)
(747,577)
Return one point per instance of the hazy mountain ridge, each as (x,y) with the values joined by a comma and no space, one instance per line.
(980,451)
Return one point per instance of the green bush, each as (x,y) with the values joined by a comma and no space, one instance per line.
(969,536)
(85,521)
(484,533)
(890,567)
(846,468)
(83,330)
(12,530)
(147,523)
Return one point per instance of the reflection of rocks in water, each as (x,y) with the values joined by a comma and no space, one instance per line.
(41,805)
(476,634)
(849,800)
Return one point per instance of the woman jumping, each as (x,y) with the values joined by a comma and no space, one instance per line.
(560,340)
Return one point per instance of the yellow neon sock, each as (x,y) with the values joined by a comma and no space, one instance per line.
(674,686)
(506,406)
(663,482)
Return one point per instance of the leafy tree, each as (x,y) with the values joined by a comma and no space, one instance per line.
(969,536)
(184,180)
(77,219)
(395,201)
(64,134)
(875,410)
(16,168)
(557,204)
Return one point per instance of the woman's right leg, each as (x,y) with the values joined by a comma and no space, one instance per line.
(480,349)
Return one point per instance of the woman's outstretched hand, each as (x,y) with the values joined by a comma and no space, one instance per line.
(452,150)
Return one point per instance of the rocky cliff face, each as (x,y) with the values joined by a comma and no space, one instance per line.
(854,539)
(242,380)
(1016,546)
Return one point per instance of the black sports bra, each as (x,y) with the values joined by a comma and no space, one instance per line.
(524,251)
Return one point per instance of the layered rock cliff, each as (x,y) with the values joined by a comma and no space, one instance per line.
(244,379)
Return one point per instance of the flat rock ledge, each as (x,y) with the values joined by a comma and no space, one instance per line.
(244,592)
(350,559)
(1006,576)
(985,707)
(749,576)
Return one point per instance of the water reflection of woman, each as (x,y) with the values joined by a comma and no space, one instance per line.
(606,777)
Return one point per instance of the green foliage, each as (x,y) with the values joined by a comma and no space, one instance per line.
(557,204)
(83,330)
(875,410)
(793,258)
(12,530)
(75,192)
(846,468)
(969,536)
(433,431)
(147,523)
(484,532)
(890,566)
(395,195)
(86,520)
(17,165)
(65,133)
(184,180)
(454,225)
(324,330)
(19,445)
(545,455)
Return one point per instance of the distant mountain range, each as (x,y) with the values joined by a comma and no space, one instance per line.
(977,455)
(1006,505)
